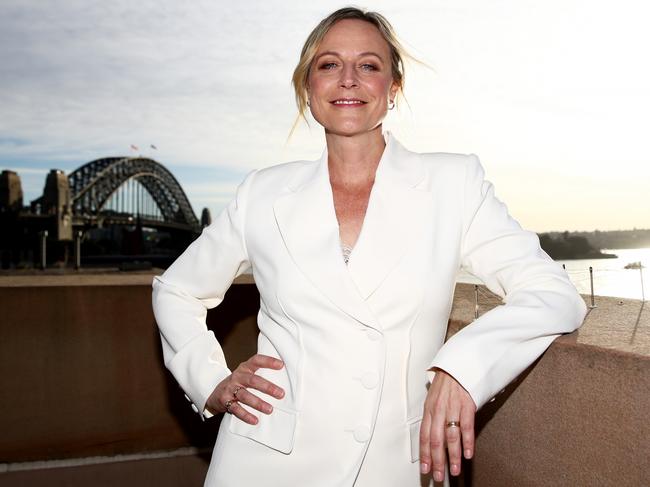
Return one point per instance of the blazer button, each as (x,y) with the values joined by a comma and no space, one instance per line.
(361,434)
(373,335)
(370,379)
(188,398)
(194,408)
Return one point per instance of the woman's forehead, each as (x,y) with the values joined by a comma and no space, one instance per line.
(353,36)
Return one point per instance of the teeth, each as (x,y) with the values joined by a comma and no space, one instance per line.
(347,102)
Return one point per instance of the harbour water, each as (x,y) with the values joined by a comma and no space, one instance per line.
(610,276)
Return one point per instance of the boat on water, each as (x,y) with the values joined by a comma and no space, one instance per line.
(634,265)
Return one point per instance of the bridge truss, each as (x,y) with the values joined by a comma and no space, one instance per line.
(98,186)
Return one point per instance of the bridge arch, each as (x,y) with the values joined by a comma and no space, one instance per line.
(92,185)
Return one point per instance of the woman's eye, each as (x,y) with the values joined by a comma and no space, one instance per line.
(369,67)
(328,66)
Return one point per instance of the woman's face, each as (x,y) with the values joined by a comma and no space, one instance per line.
(350,80)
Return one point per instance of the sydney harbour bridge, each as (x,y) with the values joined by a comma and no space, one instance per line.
(120,206)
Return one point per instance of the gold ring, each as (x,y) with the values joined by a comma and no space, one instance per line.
(234,394)
(229,405)
(453,424)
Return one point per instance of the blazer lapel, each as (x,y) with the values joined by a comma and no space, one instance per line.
(307,221)
(395,210)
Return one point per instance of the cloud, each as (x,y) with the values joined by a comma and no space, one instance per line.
(81,77)
(208,83)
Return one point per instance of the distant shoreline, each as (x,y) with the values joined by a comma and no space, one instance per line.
(571,247)
(637,238)
(596,255)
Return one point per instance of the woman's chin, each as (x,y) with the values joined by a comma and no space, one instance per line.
(350,130)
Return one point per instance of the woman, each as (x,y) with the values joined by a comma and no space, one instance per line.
(355,257)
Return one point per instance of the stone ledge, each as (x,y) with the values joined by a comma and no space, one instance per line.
(575,417)
(161,470)
(108,278)
(616,324)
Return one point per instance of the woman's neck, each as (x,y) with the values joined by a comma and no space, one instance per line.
(353,161)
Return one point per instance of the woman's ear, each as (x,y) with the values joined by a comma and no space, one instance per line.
(394,88)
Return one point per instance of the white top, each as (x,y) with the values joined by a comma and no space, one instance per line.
(346,250)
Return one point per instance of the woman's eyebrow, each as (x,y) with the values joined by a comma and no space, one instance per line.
(334,53)
(370,53)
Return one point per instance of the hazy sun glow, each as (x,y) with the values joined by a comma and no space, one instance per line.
(552,96)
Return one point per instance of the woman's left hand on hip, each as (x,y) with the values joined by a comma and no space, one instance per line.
(447,423)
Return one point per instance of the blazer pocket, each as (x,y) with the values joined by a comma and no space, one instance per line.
(275,430)
(414,435)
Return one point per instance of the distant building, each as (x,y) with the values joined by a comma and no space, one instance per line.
(11,192)
(56,201)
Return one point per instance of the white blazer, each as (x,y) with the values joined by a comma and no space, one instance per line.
(340,329)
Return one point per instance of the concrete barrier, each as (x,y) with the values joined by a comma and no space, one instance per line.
(81,368)
(83,381)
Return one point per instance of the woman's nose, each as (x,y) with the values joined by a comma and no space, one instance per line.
(348,77)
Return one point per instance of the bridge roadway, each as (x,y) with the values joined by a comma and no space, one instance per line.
(84,221)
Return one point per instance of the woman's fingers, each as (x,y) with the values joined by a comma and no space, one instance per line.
(236,409)
(263,385)
(248,378)
(235,388)
(467,414)
(432,443)
(453,437)
(259,361)
(437,442)
(246,397)
(232,391)
(447,430)
(425,446)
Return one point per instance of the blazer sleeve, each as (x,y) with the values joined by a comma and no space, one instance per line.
(540,301)
(195,282)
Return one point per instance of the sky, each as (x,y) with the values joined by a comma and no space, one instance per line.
(553,96)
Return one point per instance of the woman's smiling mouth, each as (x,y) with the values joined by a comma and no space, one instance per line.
(348,102)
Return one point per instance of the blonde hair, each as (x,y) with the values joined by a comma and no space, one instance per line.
(300,79)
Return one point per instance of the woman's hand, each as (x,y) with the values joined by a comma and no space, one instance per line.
(446,401)
(234,388)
